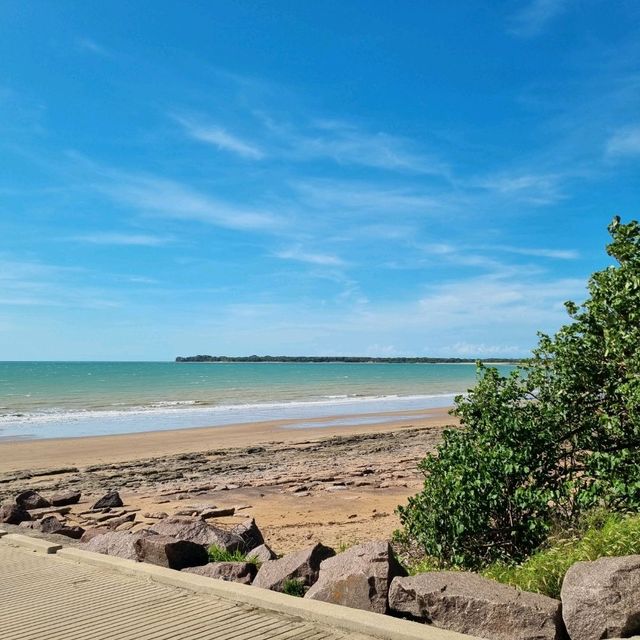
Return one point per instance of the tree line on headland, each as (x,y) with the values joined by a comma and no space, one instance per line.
(348,359)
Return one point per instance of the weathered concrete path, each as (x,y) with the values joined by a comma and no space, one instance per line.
(49,592)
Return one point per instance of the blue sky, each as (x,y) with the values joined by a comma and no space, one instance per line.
(353,177)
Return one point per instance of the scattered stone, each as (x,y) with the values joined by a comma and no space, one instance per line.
(468,603)
(217,513)
(301,565)
(65,498)
(12,513)
(50,524)
(49,511)
(198,531)
(126,526)
(114,523)
(601,599)
(242,572)
(116,543)
(358,578)
(31,500)
(155,515)
(89,534)
(111,500)
(165,551)
(249,533)
(262,554)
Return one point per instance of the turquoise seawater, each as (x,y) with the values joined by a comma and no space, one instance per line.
(56,399)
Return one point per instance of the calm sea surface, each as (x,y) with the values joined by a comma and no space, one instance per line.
(60,399)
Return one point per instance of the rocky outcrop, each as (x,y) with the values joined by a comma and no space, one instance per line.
(115,543)
(468,603)
(199,532)
(169,552)
(358,578)
(302,565)
(242,572)
(31,500)
(601,599)
(65,498)
(262,554)
(12,513)
(249,533)
(109,501)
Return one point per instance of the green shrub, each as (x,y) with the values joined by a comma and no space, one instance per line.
(558,436)
(294,587)
(543,572)
(218,554)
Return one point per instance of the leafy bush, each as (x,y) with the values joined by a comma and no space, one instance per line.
(558,436)
(218,554)
(293,587)
(543,572)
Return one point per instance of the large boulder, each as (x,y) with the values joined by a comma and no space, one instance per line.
(242,572)
(249,533)
(65,498)
(12,513)
(262,554)
(468,603)
(31,500)
(169,552)
(109,501)
(358,578)
(115,543)
(601,599)
(302,565)
(198,531)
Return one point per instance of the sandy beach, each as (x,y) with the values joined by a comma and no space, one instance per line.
(331,484)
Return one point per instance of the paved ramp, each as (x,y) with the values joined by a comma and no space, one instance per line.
(47,597)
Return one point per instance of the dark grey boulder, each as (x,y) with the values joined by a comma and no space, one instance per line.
(109,501)
(302,565)
(262,554)
(242,572)
(198,531)
(31,500)
(65,498)
(601,599)
(468,603)
(169,552)
(358,578)
(12,513)
(249,533)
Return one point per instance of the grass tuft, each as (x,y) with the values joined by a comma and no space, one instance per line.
(218,554)
(294,587)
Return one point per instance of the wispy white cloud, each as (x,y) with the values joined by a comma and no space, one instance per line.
(535,16)
(220,138)
(532,188)
(624,142)
(556,254)
(123,239)
(174,200)
(90,45)
(298,254)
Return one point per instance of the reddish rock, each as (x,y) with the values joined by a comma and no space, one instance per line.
(115,543)
(198,531)
(109,500)
(249,533)
(262,554)
(358,578)
(12,513)
(31,500)
(65,498)
(242,572)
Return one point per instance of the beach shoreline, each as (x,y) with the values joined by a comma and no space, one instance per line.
(333,484)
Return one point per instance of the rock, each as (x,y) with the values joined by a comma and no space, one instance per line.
(170,552)
(242,572)
(601,599)
(468,603)
(12,513)
(262,554)
(302,565)
(109,500)
(89,534)
(358,578)
(155,515)
(49,511)
(114,523)
(74,532)
(50,524)
(31,500)
(65,498)
(217,513)
(116,543)
(249,533)
(198,531)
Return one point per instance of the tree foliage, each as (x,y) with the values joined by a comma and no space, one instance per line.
(557,436)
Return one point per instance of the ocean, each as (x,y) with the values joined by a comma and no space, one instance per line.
(70,399)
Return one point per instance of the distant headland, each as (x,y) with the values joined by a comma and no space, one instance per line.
(347,359)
